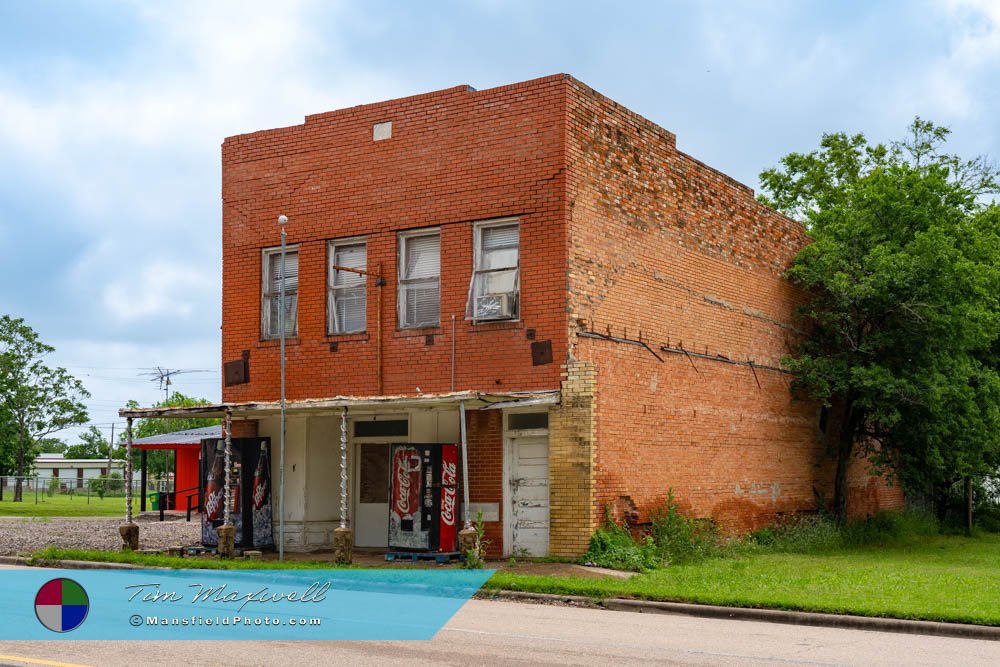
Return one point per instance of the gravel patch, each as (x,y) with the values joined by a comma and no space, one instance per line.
(20,535)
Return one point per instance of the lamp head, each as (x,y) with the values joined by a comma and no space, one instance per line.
(282,219)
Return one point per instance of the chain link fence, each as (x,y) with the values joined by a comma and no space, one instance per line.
(38,488)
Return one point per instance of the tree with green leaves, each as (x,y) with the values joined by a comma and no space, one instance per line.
(36,400)
(92,445)
(50,446)
(902,317)
(157,459)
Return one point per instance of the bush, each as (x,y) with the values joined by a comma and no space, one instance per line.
(680,539)
(798,534)
(53,487)
(475,558)
(115,483)
(889,528)
(98,486)
(612,546)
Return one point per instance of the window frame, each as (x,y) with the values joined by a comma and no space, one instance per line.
(268,255)
(477,261)
(331,254)
(402,239)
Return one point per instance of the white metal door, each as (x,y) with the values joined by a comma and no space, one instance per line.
(528,496)
(371,495)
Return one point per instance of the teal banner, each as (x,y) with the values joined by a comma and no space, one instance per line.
(232,604)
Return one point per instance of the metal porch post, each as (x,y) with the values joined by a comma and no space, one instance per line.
(142,480)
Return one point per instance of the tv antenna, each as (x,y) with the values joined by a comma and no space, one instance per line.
(163,375)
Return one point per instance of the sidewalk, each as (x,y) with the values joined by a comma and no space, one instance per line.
(865,623)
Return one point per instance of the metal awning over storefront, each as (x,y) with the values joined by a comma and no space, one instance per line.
(461,401)
(253,410)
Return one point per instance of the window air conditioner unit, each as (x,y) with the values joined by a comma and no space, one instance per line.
(494,307)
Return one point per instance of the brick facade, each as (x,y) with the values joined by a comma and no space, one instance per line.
(455,156)
(621,235)
(669,251)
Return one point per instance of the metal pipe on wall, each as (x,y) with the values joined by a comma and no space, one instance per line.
(380,283)
(282,220)
(465,466)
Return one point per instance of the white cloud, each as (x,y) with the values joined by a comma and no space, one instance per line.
(159,288)
(128,157)
(953,83)
(213,69)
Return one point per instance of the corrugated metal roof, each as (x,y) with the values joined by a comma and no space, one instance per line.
(254,410)
(191,436)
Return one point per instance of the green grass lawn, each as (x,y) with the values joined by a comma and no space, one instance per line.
(63,504)
(941,578)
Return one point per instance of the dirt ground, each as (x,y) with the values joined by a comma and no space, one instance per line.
(21,536)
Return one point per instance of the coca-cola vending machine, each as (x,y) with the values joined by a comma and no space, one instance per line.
(423,503)
(250,493)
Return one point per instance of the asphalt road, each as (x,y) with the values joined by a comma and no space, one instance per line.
(515,633)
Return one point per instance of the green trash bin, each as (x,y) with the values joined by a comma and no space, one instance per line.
(154,501)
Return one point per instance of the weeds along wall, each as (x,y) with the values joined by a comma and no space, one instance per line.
(669,251)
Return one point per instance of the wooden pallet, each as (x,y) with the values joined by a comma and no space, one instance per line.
(440,557)
(198,551)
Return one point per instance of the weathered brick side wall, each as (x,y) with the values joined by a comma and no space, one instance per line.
(733,451)
(666,249)
(485,441)
(572,462)
(456,156)
(868,494)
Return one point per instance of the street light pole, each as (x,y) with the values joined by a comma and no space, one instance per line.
(282,220)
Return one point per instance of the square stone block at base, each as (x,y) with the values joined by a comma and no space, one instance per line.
(343,545)
(227,538)
(253,555)
(466,540)
(130,537)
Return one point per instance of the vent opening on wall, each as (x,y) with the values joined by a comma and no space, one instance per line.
(382,131)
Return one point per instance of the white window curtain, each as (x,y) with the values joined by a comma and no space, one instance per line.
(495,285)
(420,280)
(274,276)
(348,293)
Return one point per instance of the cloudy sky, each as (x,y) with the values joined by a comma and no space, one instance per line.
(112,114)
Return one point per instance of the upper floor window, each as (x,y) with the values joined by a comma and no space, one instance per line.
(347,303)
(275,275)
(493,294)
(419,300)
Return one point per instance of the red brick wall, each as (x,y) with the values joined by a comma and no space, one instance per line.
(244,428)
(456,156)
(485,441)
(666,249)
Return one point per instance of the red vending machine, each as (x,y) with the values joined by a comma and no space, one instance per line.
(423,504)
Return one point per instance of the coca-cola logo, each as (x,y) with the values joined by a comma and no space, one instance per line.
(448,507)
(407,462)
(449,473)
(403,498)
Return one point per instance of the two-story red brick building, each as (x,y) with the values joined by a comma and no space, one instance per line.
(611,310)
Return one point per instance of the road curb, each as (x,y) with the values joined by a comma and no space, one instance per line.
(78,564)
(869,623)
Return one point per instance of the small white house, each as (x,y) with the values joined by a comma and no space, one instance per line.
(73,473)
